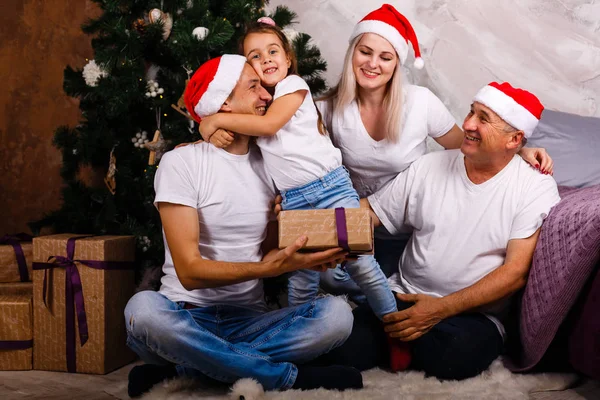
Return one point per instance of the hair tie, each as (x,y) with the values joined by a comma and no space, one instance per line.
(266,21)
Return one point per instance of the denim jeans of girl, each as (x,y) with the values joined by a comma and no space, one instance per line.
(331,191)
(227,343)
(388,252)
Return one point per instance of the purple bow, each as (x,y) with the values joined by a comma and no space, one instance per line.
(15,242)
(74,293)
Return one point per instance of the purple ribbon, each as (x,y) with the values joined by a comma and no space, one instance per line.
(342,229)
(74,293)
(16,344)
(15,242)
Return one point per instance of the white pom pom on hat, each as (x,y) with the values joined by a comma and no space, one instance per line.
(388,23)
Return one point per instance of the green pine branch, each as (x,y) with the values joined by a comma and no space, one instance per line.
(118,105)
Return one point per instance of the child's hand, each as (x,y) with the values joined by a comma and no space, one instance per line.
(221,138)
(207,127)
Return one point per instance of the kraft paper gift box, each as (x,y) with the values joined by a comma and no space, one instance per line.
(349,228)
(15,258)
(17,288)
(80,288)
(16,332)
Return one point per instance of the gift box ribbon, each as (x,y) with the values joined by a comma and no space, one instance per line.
(74,293)
(342,229)
(342,232)
(16,344)
(15,242)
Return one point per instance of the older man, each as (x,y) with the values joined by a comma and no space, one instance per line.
(475,215)
(209,317)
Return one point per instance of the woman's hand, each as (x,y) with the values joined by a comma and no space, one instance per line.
(538,158)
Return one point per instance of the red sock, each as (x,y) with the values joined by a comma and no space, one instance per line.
(400,356)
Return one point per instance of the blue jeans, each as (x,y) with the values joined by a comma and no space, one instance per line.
(335,190)
(227,343)
(387,253)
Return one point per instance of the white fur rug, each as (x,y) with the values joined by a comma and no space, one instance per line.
(496,383)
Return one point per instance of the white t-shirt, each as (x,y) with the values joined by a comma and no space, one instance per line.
(298,153)
(461,230)
(373,163)
(231,194)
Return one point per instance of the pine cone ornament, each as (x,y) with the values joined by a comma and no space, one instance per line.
(140,26)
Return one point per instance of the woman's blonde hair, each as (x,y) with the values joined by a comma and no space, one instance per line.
(346,91)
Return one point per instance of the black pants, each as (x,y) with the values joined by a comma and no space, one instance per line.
(459,347)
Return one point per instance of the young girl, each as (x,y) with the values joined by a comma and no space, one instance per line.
(305,166)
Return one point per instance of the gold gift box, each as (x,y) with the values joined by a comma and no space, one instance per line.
(16,331)
(321,228)
(9,270)
(105,293)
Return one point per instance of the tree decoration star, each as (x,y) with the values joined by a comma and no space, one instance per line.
(157,147)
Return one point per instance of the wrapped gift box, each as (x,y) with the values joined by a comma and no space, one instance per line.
(17,288)
(16,332)
(328,228)
(15,259)
(81,330)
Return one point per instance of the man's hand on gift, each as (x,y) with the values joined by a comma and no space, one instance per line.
(288,259)
(417,320)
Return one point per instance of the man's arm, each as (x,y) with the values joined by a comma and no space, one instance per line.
(500,283)
(427,311)
(364,203)
(182,232)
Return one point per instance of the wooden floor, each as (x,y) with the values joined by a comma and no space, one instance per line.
(17,385)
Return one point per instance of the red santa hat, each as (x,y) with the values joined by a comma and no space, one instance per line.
(212,84)
(520,108)
(388,23)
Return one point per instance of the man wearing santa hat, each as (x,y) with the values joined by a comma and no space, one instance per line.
(476,214)
(209,318)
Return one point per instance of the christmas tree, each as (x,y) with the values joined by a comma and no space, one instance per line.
(130,98)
